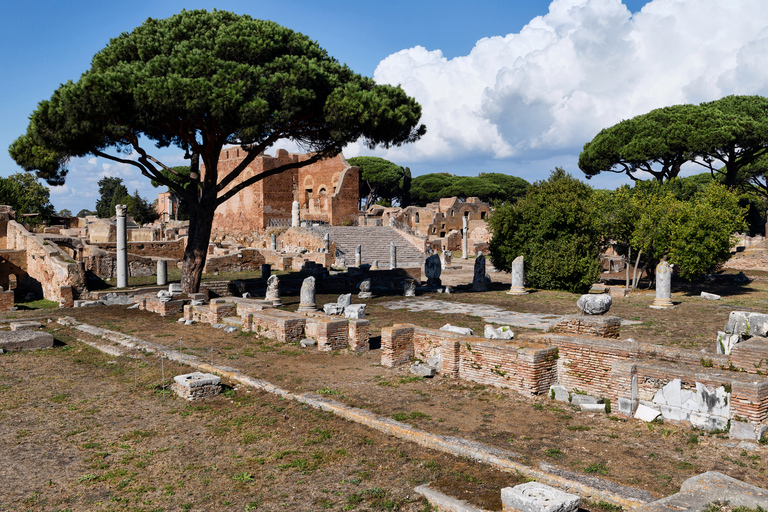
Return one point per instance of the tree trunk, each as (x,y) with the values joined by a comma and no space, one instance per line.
(629,259)
(200,225)
(636,278)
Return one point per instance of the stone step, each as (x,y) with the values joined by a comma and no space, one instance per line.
(375,242)
(232,320)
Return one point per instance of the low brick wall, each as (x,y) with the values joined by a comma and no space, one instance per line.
(529,368)
(396,345)
(284,326)
(585,362)
(168,308)
(245,260)
(359,335)
(628,370)
(589,325)
(329,332)
(166,249)
(751,355)
(212,313)
(7,300)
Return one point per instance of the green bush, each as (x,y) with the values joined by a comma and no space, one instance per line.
(555,229)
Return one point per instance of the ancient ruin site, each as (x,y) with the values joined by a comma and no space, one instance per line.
(487,257)
(373,361)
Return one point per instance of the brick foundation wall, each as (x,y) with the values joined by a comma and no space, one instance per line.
(529,370)
(585,363)
(330,333)
(749,400)
(396,345)
(359,335)
(751,355)
(47,268)
(6,300)
(245,260)
(589,325)
(155,305)
(166,249)
(283,326)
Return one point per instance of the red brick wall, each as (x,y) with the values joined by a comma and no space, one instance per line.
(6,300)
(359,335)
(396,345)
(314,186)
(330,333)
(603,326)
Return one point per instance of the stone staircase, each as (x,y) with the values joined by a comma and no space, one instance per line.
(375,242)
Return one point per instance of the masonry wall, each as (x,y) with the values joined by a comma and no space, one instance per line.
(628,370)
(164,249)
(245,260)
(49,270)
(327,191)
(529,368)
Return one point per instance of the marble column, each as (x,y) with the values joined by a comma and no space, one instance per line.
(358,255)
(327,242)
(295,214)
(518,277)
(162,272)
(122,247)
(273,242)
(392,255)
(308,295)
(663,298)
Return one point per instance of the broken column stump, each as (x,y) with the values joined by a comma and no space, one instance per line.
(196,385)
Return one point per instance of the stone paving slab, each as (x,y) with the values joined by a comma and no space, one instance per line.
(489,313)
(25,340)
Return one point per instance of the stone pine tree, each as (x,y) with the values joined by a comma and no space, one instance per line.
(202,80)
(723,136)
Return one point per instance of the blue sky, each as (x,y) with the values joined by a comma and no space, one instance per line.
(507,86)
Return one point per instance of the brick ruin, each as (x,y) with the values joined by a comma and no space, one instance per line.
(441,222)
(327,192)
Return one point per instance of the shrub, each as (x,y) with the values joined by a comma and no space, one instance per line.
(555,229)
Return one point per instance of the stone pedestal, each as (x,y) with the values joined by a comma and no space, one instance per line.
(365,290)
(308,300)
(663,298)
(162,272)
(518,277)
(196,385)
(122,247)
(392,255)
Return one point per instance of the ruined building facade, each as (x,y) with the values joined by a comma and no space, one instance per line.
(327,191)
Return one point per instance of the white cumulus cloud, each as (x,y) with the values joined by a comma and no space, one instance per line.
(584,66)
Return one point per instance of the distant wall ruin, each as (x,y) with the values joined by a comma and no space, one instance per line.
(327,191)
